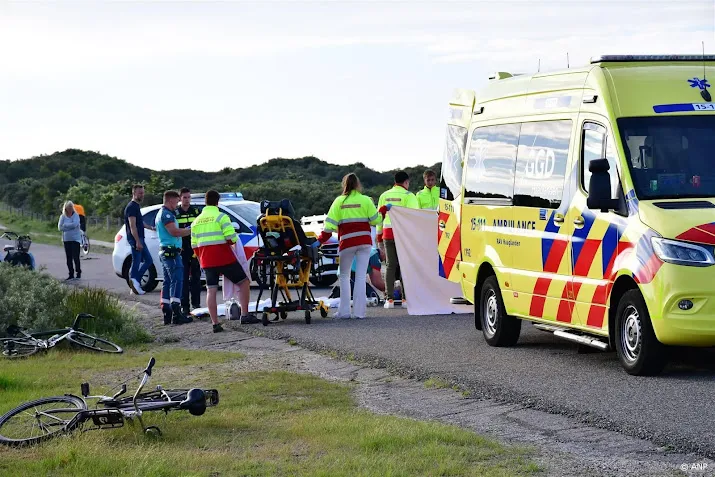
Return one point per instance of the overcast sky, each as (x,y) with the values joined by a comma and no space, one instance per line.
(213,84)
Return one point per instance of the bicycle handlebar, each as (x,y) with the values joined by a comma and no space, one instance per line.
(79,317)
(152,362)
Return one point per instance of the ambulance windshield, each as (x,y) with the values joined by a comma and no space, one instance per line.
(670,157)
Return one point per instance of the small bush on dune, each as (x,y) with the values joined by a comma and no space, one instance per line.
(36,301)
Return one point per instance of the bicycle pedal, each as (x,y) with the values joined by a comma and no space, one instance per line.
(211,397)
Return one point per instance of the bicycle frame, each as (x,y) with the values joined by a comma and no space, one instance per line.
(114,413)
(58,335)
(112,416)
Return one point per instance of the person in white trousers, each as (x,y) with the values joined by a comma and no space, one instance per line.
(351,215)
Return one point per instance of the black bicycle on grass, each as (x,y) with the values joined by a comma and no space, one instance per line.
(43,419)
(20,344)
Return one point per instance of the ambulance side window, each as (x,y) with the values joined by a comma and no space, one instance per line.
(596,145)
(541,164)
(451,180)
(490,163)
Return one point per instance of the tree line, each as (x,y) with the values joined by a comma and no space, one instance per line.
(102,184)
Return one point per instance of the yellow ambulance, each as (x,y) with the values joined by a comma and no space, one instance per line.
(584,201)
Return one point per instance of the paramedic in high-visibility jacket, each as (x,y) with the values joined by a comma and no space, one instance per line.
(351,215)
(212,236)
(399,196)
(428,198)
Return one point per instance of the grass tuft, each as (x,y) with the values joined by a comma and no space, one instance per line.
(38,302)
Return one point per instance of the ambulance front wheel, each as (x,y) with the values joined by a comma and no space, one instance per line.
(639,351)
(499,329)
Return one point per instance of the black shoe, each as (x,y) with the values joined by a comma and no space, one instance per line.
(69,278)
(178,317)
(249,319)
(79,275)
(166,311)
(185,310)
(218,328)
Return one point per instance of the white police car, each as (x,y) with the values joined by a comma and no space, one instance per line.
(243,214)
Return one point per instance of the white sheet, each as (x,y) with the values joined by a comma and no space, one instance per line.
(416,241)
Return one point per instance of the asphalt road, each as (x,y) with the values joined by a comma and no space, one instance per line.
(675,409)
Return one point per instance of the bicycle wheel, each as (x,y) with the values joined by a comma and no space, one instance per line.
(85,245)
(17,348)
(39,420)
(95,344)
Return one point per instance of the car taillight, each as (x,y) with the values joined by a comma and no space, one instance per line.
(118,238)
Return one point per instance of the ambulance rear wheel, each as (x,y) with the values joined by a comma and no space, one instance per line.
(638,349)
(499,329)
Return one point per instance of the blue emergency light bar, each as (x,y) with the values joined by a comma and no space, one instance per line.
(633,58)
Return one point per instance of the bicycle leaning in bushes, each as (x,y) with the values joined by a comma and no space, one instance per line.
(43,419)
(20,344)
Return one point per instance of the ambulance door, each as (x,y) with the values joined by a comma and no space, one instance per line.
(450,195)
(596,234)
(541,275)
(487,209)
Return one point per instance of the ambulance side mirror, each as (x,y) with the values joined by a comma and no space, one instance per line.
(599,187)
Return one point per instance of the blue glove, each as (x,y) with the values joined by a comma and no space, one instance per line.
(315,244)
(388,206)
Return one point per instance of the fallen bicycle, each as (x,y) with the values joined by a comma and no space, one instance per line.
(43,419)
(21,344)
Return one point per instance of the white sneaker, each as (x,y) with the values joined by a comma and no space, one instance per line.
(359,317)
(389,304)
(338,316)
(137,287)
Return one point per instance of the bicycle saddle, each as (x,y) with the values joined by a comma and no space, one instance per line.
(195,402)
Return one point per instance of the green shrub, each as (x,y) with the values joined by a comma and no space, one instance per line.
(38,302)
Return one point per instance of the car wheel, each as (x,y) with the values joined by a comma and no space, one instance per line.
(148,281)
(499,329)
(639,351)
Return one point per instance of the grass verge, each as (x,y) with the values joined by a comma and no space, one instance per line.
(267,423)
(38,302)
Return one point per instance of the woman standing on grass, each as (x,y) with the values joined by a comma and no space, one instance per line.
(351,215)
(71,236)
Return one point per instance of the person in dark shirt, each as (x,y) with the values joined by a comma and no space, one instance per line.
(134,224)
(185,215)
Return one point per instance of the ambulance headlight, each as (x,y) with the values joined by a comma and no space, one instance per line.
(683,253)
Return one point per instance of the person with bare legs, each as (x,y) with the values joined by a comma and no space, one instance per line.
(212,238)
